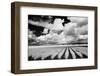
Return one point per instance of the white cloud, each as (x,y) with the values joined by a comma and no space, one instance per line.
(82,36)
(58,24)
(66,38)
(81,26)
(49,38)
(82,30)
(38,23)
(45,31)
(69,29)
(76,29)
(33,22)
(79,20)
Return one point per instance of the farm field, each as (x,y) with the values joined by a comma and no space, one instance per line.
(58,52)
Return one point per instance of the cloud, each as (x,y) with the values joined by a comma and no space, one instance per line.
(77,28)
(33,22)
(57,25)
(69,29)
(49,38)
(82,30)
(82,36)
(66,38)
(79,20)
(72,31)
(38,23)
(81,26)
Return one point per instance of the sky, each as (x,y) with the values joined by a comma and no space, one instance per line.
(76,28)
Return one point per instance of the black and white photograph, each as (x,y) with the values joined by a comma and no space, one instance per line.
(53,37)
(57,37)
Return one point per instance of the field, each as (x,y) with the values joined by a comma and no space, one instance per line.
(58,52)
